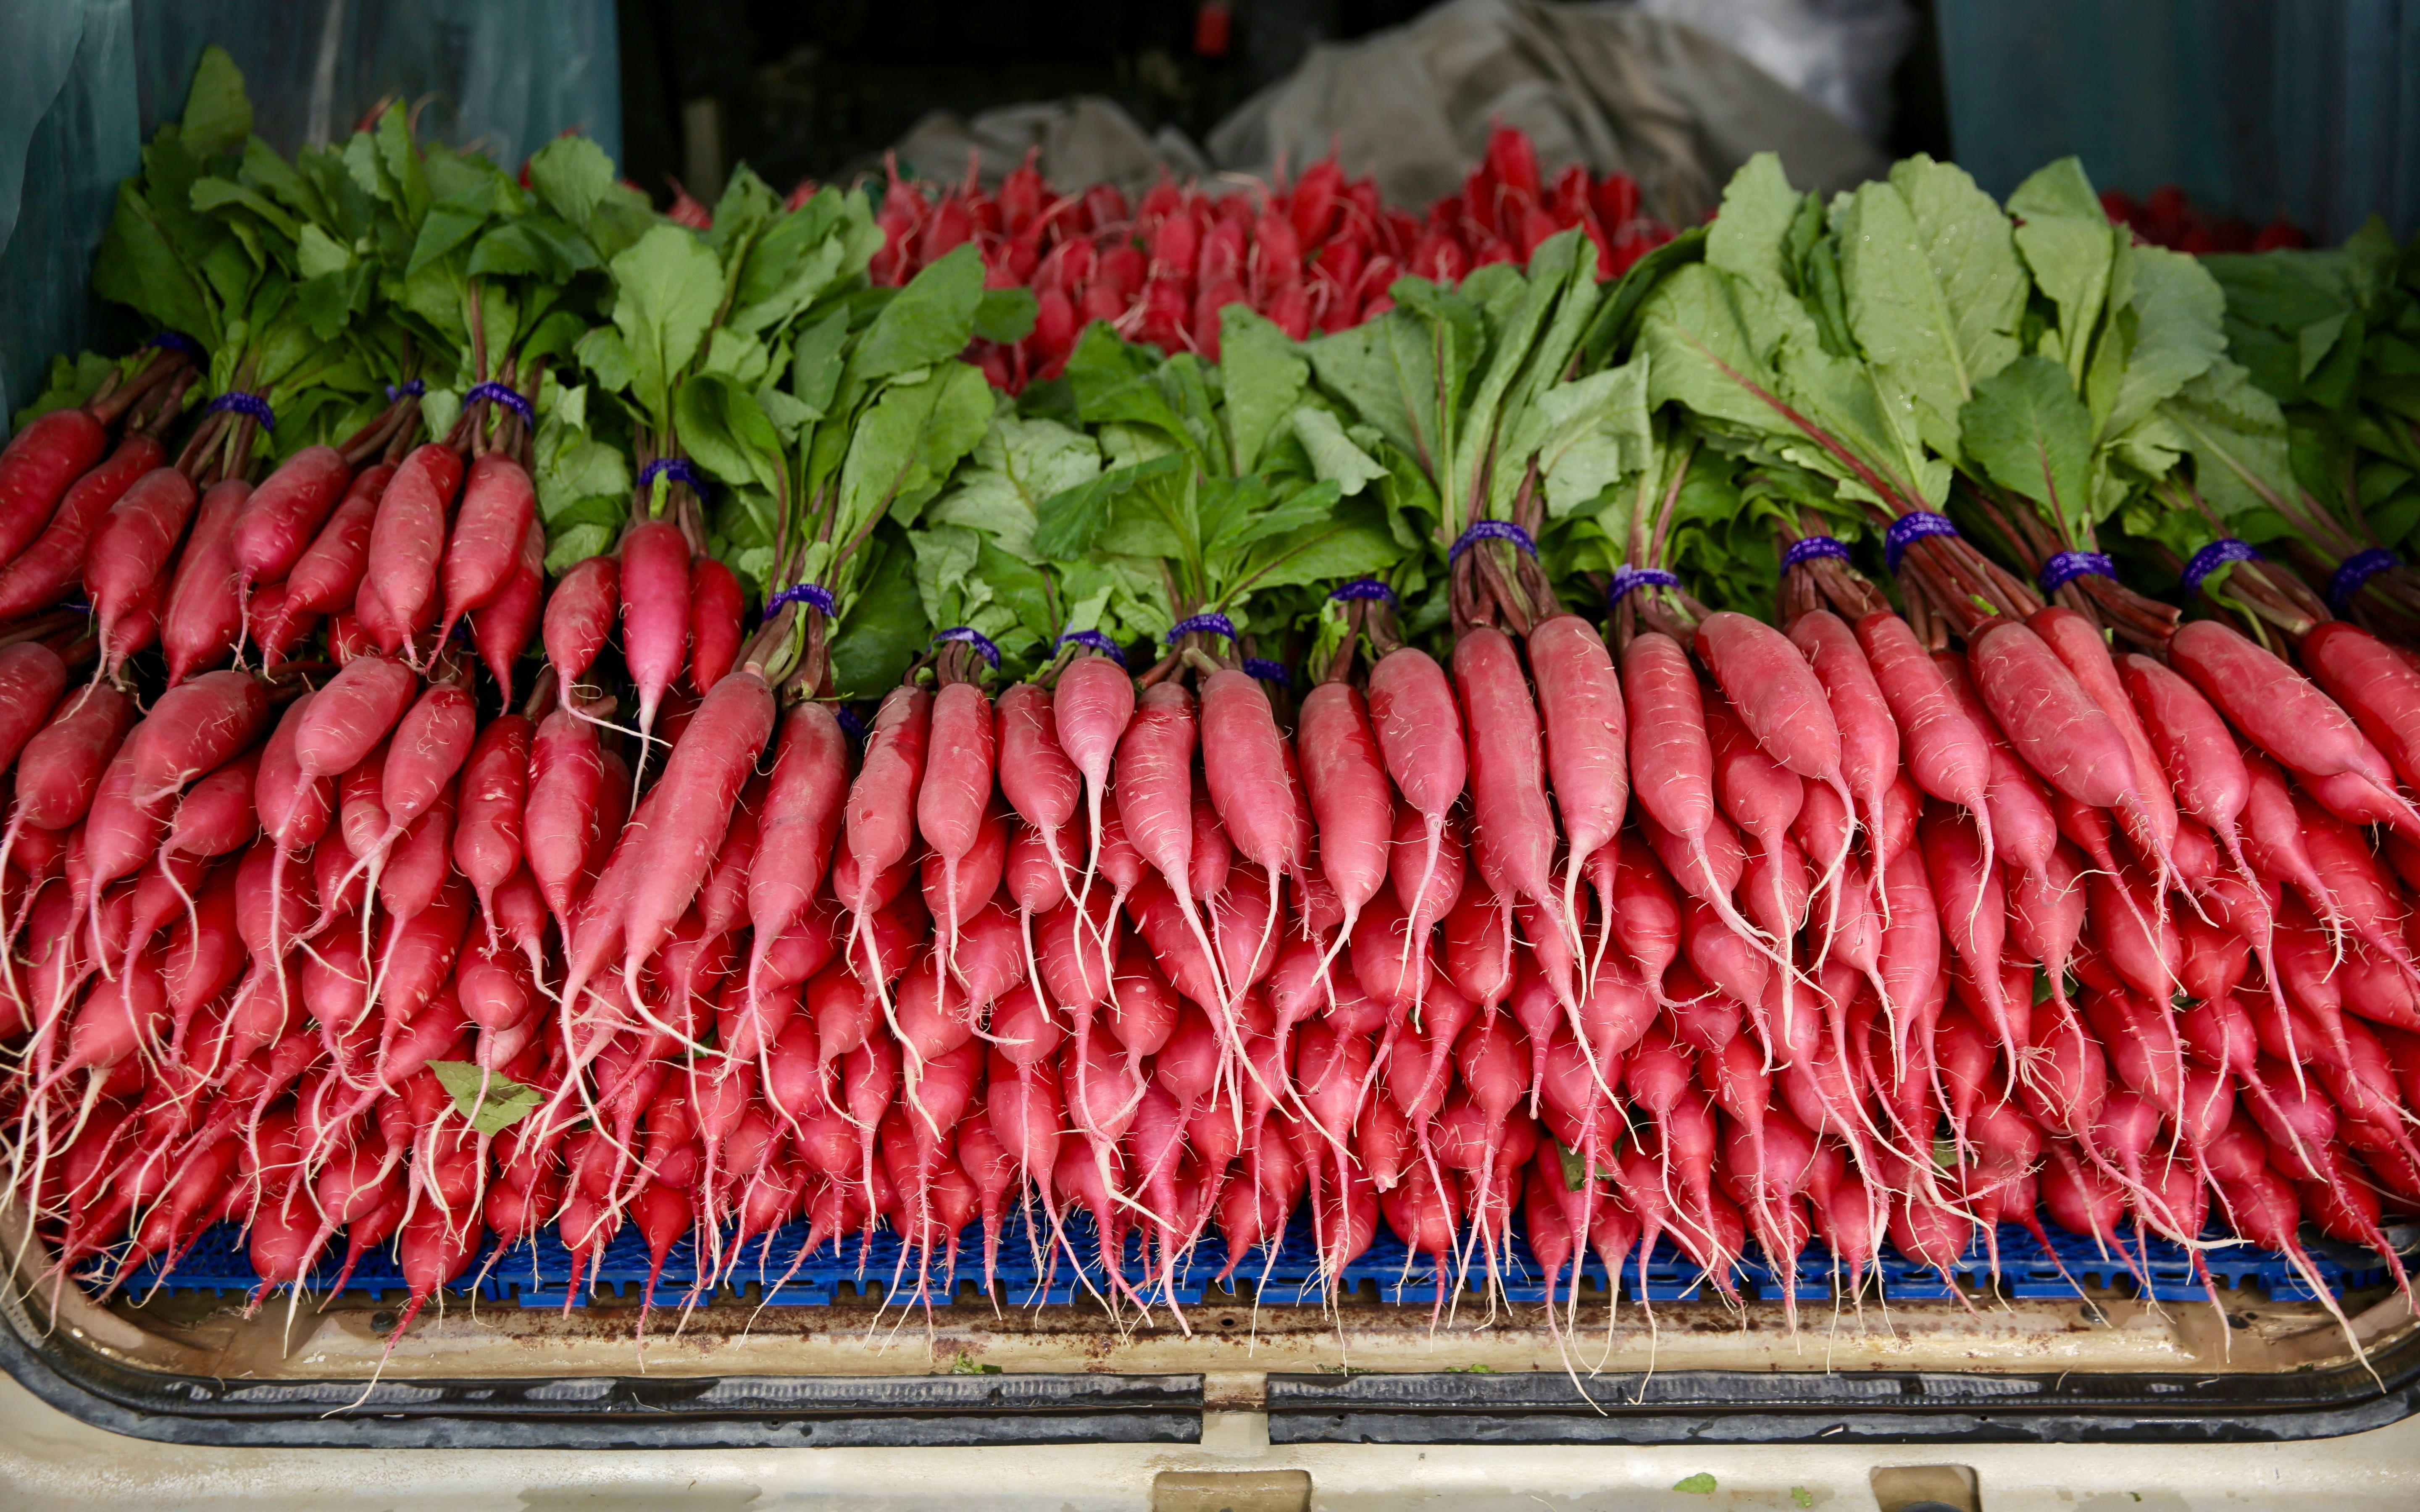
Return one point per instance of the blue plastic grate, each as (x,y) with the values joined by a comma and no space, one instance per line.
(536,1274)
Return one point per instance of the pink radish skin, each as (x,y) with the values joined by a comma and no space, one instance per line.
(1091,706)
(407,537)
(41,462)
(499,505)
(327,577)
(715,603)
(953,794)
(196,728)
(801,816)
(1419,727)
(32,677)
(42,573)
(2079,646)
(131,550)
(1512,829)
(1587,733)
(1947,756)
(286,511)
(580,616)
(356,710)
(202,617)
(1350,800)
(655,614)
(502,625)
(559,820)
(2291,721)
(1671,769)
(488,823)
(1778,696)
(1036,776)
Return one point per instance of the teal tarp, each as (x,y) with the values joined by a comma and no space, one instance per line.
(2309,108)
(89,79)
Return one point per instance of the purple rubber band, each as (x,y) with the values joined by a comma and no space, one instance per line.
(1267,671)
(815,596)
(1628,578)
(1909,528)
(246,404)
(408,389)
(1364,588)
(502,393)
(2067,567)
(1202,625)
(184,346)
(851,725)
(2357,569)
(1094,638)
(2219,554)
(1810,548)
(968,635)
(669,466)
(1492,530)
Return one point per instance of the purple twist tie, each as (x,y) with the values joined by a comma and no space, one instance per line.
(851,725)
(1095,640)
(668,466)
(1628,578)
(815,596)
(2067,567)
(2357,569)
(2219,554)
(1909,528)
(968,635)
(408,389)
(1492,530)
(186,347)
(504,394)
(246,404)
(1202,625)
(1364,588)
(1267,671)
(1810,548)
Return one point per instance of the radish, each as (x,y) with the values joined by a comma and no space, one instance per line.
(286,511)
(37,577)
(654,616)
(580,615)
(1419,727)
(499,506)
(41,462)
(1091,706)
(202,616)
(502,625)
(953,794)
(407,543)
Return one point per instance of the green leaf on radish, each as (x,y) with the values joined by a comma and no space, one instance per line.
(571,174)
(929,321)
(2032,435)
(666,286)
(488,1103)
(218,112)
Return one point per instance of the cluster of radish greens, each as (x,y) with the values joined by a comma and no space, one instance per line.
(526,718)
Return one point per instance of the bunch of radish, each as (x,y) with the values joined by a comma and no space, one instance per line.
(1316,253)
(1528,939)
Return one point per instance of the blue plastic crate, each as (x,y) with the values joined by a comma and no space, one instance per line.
(537,1273)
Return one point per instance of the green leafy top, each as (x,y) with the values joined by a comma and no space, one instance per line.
(829,414)
(1231,489)
(1474,390)
(206,240)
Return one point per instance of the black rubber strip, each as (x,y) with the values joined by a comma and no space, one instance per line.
(1873,1406)
(603,1412)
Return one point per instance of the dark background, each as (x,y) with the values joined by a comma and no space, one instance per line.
(819,90)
